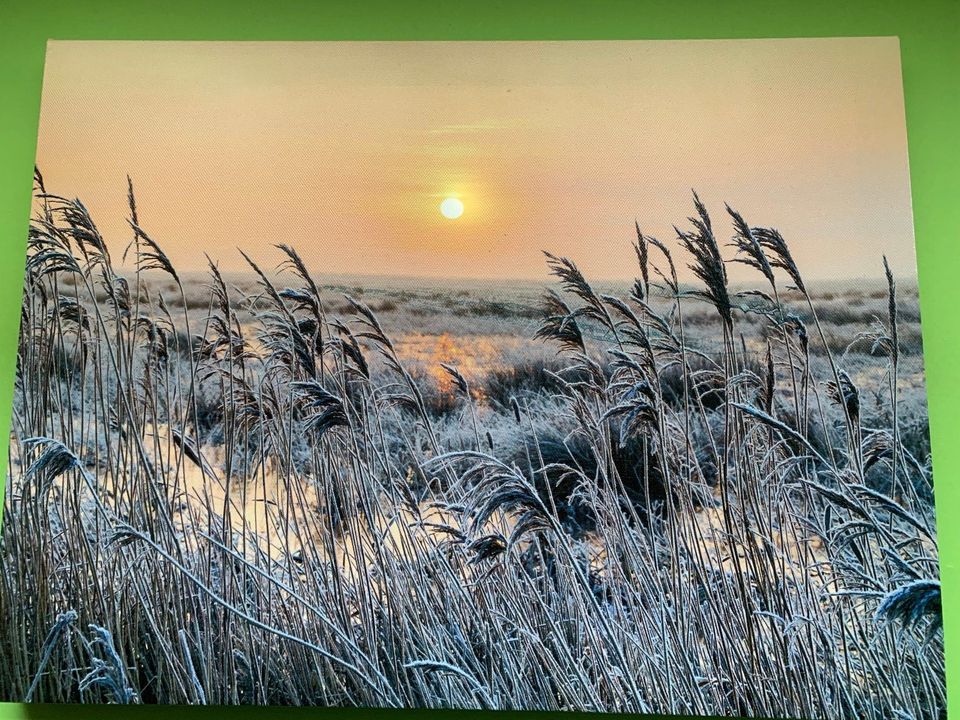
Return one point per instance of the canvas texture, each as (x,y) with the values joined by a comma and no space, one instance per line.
(580,376)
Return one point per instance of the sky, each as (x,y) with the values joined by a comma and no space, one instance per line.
(345,150)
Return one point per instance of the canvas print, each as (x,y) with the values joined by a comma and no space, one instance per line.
(565,376)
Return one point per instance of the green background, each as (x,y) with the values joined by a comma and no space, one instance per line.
(929,33)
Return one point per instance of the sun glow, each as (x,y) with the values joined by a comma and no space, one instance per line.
(451,208)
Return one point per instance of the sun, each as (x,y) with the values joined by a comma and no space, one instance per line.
(451,208)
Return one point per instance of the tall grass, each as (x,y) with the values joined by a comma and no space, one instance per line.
(199,511)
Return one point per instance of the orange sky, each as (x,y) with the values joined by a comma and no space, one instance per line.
(345,150)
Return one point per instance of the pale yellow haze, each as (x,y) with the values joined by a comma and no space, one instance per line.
(348,150)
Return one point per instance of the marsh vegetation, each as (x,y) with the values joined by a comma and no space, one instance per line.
(277,488)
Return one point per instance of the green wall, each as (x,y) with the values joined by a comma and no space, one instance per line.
(929,33)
